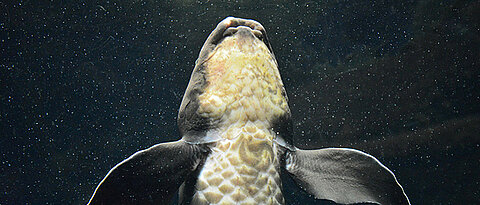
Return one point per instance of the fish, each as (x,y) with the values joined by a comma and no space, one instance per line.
(237,140)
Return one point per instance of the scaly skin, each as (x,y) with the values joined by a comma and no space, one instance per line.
(244,94)
(242,170)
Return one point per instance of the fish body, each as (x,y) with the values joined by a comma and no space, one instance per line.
(237,141)
(242,96)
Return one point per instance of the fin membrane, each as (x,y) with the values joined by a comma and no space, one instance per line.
(344,176)
(149,176)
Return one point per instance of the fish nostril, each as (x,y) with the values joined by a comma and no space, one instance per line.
(230,31)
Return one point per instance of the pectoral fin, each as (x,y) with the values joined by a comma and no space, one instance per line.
(149,176)
(344,176)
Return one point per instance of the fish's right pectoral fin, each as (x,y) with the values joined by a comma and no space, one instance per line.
(150,176)
(344,176)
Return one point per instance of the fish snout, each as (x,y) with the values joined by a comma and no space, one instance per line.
(231,26)
(243,27)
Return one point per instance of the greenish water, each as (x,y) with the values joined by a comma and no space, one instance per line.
(87,83)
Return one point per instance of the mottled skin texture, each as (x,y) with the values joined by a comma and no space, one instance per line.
(244,96)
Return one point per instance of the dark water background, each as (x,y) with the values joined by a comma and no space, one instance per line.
(84,84)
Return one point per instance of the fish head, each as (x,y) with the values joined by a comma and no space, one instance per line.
(235,80)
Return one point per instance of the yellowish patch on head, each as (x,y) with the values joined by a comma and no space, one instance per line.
(243,83)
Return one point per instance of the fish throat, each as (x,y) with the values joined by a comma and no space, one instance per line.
(244,96)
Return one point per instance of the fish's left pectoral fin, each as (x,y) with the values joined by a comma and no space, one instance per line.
(150,176)
(344,176)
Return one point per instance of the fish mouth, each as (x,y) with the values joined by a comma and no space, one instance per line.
(245,29)
(229,27)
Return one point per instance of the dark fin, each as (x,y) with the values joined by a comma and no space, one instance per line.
(150,176)
(344,176)
(188,188)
